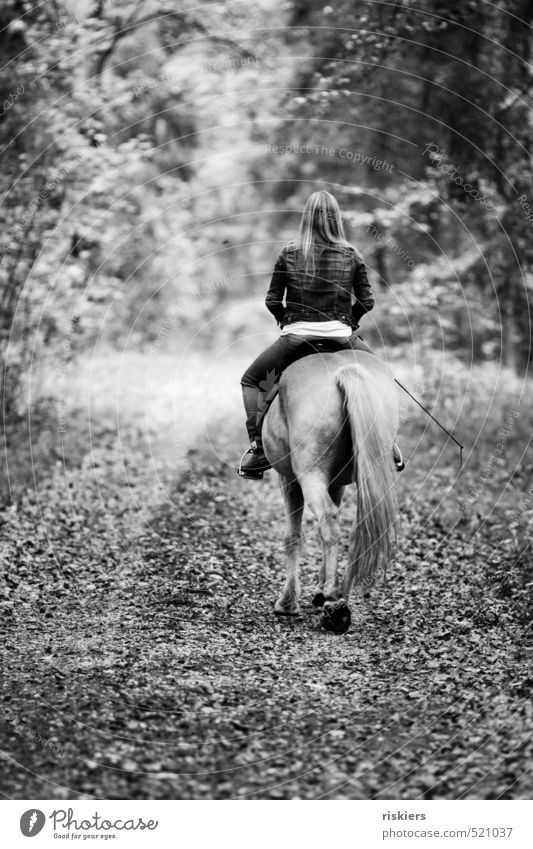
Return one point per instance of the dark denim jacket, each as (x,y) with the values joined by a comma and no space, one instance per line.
(324,296)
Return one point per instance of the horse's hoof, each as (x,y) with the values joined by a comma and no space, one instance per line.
(336,616)
(318,599)
(287,608)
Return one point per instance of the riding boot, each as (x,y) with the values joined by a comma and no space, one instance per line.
(253,462)
(398,459)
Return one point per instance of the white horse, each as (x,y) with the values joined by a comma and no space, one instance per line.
(333,423)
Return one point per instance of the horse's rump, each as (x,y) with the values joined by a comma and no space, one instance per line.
(311,416)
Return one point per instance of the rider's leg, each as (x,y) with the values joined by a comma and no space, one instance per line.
(257,380)
(250,397)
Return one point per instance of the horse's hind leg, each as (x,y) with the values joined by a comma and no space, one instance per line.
(336,493)
(335,611)
(288,603)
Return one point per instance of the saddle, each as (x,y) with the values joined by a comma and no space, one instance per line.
(319,346)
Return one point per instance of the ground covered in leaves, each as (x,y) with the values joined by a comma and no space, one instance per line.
(141,657)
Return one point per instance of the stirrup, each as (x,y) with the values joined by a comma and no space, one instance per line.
(257,473)
(243,473)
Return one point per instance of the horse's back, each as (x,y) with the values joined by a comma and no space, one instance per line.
(322,368)
(309,390)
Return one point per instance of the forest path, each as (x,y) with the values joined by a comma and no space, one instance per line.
(142,658)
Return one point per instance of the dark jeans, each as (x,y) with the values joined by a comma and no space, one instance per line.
(268,366)
(260,378)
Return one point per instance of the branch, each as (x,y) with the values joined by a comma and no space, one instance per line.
(118,35)
(133,25)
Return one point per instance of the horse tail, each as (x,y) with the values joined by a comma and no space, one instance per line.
(372,408)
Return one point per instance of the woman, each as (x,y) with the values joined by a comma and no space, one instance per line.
(317,274)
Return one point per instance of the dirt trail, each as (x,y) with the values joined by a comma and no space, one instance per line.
(143,659)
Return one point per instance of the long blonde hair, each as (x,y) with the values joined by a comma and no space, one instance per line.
(321,224)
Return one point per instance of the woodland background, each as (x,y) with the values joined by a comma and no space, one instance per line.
(155,157)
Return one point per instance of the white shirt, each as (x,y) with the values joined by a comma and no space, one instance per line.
(321,329)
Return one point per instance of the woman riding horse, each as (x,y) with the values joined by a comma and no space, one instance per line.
(317,274)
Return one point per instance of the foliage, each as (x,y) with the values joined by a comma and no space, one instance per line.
(101,190)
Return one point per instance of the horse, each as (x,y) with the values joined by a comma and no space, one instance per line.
(332,424)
